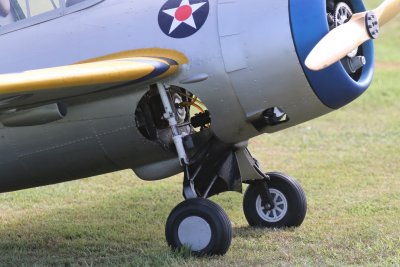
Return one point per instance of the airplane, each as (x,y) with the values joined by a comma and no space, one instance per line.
(89,87)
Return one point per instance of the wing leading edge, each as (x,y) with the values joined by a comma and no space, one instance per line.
(104,73)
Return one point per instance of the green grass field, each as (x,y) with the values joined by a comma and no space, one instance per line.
(348,163)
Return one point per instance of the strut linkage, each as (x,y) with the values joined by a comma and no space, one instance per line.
(188,184)
(173,124)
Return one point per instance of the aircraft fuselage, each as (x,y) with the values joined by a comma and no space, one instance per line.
(245,49)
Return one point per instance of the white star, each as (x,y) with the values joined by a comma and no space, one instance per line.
(189,21)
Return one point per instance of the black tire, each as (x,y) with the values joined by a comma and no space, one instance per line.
(191,217)
(290,210)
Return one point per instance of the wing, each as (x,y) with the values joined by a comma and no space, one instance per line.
(105,73)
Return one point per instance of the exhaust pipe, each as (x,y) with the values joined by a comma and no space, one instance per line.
(35,116)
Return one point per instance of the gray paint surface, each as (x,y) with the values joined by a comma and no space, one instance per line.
(250,63)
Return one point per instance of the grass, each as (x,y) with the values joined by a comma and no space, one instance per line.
(348,163)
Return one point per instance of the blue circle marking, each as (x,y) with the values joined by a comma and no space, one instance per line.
(183,18)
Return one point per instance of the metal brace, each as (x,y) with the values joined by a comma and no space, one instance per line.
(189,190)
(251,173)
(188,184)
(173,124)
(265,194)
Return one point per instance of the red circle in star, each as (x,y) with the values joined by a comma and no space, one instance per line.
(183,12)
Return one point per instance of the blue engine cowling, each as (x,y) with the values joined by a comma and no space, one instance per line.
(333,86)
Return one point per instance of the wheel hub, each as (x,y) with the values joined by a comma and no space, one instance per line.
(280,207)
(194,232)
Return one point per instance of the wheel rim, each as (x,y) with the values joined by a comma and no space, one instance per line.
(194,232)
(280,207)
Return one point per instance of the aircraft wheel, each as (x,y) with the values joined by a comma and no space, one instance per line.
(290,205)
(200,225)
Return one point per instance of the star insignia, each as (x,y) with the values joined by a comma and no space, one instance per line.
(183,14)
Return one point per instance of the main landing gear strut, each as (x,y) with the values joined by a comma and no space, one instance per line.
(211,167)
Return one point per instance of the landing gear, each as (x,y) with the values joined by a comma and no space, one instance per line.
(200,225)
(289,203)
(211,167)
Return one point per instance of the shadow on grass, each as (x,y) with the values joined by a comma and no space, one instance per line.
(89,226)
(121,230)
(255,232)
(125,229)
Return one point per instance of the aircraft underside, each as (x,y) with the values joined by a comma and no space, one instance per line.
(211,167)
(145,130)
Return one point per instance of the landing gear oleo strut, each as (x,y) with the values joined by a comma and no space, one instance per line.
(212,167)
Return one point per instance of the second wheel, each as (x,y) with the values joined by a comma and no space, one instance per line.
(290,205)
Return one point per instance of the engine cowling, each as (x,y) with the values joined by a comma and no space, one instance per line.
(334,86)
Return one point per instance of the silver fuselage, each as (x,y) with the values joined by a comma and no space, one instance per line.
(245,47)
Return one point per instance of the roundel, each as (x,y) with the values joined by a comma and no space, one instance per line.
(183,18)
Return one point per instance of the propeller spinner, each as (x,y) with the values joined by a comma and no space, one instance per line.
(344,39)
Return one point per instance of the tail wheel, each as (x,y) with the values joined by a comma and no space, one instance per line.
(200,225)
(290,205)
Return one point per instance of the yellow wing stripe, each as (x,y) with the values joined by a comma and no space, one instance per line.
(146,52)
(94,73)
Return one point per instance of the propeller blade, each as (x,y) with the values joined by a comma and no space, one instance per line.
(347,37)
(337,44)
(387,11)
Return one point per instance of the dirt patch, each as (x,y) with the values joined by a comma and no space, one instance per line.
(388,65)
